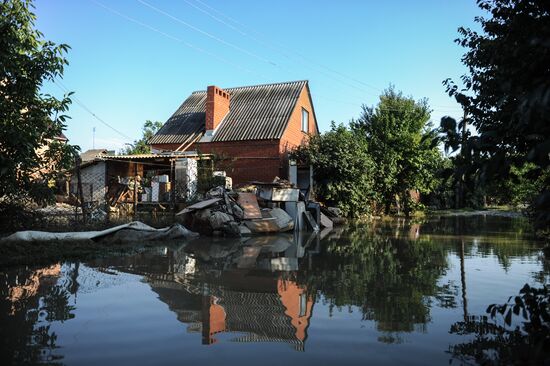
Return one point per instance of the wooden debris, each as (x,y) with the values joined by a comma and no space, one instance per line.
(249,203)
(267,225)
(311,221)
(199,205)
(326,222)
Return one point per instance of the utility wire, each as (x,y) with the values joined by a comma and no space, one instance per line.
(181,41)
(205,32)
(275,46)
(83,106)
(272,63)
(280,48)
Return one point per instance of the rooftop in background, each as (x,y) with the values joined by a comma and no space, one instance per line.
(92,154)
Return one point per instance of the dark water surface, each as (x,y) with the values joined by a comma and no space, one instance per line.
(383,293)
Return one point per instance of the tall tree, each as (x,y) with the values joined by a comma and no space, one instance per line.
(506,93)
(141,146)
(402,147)
(29,120)
(342,169)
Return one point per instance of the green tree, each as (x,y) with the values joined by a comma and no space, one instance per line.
(30,121)
(141,146)
(506,93)
(402,146)
(342,168)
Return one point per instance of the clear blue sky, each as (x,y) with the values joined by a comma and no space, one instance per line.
(139,59)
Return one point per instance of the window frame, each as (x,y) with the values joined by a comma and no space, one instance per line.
(305,127)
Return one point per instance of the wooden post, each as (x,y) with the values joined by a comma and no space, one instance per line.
(135,190)
(78,161)
(173,186)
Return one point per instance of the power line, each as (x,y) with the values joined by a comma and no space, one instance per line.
(205,32)
(272,63)
(277,47)
(181,41)
(83,106)
(274,45)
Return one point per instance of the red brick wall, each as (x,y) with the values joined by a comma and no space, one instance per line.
(247,161)
(217,106)
(293,135)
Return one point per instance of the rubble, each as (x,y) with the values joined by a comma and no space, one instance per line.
(259,208)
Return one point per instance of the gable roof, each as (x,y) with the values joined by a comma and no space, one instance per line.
(258,112)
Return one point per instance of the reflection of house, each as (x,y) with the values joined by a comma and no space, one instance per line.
(19,292)
(210,292)
(266,309)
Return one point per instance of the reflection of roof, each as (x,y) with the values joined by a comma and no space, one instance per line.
(272,316)
(261,314)
(258,112)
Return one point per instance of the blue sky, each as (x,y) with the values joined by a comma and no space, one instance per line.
(133,60)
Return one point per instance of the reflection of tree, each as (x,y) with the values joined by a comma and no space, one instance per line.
(393,280)
(30,301)
(495,343)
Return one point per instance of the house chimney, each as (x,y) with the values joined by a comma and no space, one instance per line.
(217,106)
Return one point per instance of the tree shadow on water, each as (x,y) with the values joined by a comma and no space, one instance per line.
(515,333)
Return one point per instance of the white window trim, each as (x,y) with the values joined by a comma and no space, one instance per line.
(306,130)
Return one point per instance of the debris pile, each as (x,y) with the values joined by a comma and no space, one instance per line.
(260,208)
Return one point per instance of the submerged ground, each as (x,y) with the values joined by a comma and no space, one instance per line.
(387,292)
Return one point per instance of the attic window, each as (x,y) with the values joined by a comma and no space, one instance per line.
(305,121)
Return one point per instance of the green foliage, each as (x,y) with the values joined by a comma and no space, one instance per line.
(342,168)
(29,121)
(402,146)
(506,94)
(495,344)
(141,146)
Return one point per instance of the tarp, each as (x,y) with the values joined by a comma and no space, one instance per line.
(133,231)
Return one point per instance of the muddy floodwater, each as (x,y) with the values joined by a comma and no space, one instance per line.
(382,293)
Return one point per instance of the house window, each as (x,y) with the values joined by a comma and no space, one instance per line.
(303,304)
(305,120)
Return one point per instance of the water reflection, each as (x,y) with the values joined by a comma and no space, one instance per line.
(393,274)
(236,286)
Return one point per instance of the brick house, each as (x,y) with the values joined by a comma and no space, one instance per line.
(256,126)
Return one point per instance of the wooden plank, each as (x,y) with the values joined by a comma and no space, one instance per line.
(326,222)
(285,194)
(249,203)
(199,205)
(267,225)
(311,221)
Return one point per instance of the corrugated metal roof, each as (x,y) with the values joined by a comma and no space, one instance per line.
(183,154)
(92,154)
(258,112)
(186,124)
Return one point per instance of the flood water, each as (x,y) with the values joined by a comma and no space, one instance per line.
(381,293)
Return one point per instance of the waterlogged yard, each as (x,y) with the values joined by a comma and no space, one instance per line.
(390,292)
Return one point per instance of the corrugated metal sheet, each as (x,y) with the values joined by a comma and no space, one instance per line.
(186,124)
(92,154)
(258,112)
